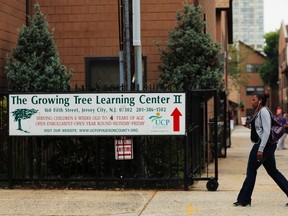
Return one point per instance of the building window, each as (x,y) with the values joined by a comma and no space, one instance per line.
(254,90)
(104,71)
(259,46)
(252,68)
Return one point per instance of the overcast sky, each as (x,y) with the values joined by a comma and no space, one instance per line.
(274,12)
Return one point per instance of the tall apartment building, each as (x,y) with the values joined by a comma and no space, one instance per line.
(248,22)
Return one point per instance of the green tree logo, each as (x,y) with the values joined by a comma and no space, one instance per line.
(20,114)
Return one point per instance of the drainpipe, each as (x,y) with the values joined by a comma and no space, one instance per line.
(137,43)
(127,40)
(121,53)
(27,12)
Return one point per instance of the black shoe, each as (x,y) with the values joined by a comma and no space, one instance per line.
(242,204)
(286,204)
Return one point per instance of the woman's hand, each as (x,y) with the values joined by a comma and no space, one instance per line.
(259,156)
(247,125)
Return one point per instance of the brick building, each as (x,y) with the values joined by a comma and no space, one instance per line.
(251,62)
(12,17)
(86,33)
(283,69)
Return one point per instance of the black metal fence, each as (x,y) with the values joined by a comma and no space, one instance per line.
(78,162)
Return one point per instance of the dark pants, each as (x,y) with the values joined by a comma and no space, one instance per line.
(269,164)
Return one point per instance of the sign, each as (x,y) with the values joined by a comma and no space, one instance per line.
(109,114)
(123,148)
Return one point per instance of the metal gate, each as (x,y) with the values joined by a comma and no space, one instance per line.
(80,162)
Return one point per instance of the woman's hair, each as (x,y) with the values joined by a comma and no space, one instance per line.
(263,98)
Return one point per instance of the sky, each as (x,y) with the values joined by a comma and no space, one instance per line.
(275,11)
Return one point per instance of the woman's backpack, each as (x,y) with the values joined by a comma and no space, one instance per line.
(277,129)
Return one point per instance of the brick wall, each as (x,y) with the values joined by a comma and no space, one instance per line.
(282,62)
(157,18)
(89,28)
(12,17)
(209,9)
(83,29)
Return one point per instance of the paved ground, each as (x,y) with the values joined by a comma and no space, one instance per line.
(268,199)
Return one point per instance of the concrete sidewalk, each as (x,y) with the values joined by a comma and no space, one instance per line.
(268,199)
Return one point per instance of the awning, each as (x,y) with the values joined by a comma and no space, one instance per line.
(232,104)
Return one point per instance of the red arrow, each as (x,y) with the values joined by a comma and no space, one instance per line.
(176,119)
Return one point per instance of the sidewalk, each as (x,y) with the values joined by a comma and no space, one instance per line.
(268,199)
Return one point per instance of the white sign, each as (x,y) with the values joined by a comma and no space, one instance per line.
(123,148)
(111,114)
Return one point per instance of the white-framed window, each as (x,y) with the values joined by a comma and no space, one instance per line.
(253,90)
(252,68)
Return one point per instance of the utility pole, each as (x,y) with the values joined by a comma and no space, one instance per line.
(137,43)
(121,44)
(125,38)
(128,44)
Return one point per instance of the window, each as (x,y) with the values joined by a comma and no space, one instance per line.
(254,90)
(252,68)
(104,71)
(259,46)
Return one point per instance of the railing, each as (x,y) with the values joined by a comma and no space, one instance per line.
(77,161)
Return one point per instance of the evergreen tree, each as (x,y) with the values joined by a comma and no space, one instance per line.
(190,55)
(35,65)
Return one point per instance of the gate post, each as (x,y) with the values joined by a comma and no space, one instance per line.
(10,162)
(186,170)
(186,140)
(215,133)
(30,157)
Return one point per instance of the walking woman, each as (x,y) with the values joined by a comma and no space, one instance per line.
(262,152)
